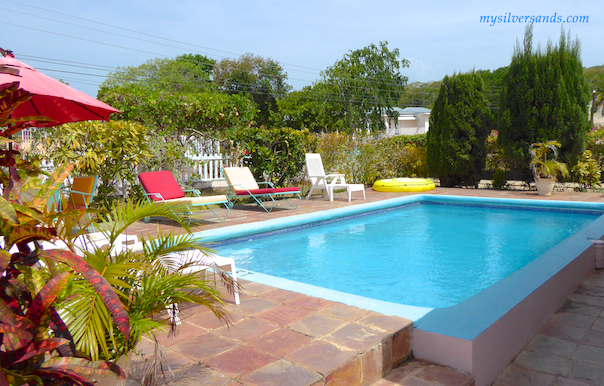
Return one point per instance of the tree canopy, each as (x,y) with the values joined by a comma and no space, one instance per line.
(185,73)
(261,79)
(363,86)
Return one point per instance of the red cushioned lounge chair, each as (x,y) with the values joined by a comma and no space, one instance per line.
(162,187)
(243,184)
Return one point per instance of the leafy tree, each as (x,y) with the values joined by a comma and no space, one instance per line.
(365,85)
(310,108)
(261,79)
(112,150)
(545,97)
(176,114)
(177,121)
(186,73)
(420,94)
(459,125)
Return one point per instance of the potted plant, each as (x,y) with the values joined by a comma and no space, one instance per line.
(545,167)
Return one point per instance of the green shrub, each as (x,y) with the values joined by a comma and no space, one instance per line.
(587,171)
(500,179)
(275,155)
(459,125)
(595,143)
(545,96)
(366,160)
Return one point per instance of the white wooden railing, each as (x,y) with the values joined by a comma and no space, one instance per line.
(208,162)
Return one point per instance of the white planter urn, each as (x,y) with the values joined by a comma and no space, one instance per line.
(544,186)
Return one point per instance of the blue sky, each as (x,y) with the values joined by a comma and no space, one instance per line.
(80,41)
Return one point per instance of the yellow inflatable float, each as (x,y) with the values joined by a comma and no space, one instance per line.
(403,185)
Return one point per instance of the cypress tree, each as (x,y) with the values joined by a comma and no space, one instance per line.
(544,98)
(459,124)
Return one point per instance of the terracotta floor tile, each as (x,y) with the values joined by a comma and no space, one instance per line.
(256,289)
(283,315)
(321,356)
(554,346)
(209,321)
(204,346)
(580,308)
(246,330)
(594,338)
(573,319)
(596,301)
(280,342)
(281,372)
(251,306)
(563,331)
(514,375)
(444,375)
(184,332)
(385,322)
(316,325)
(310,303)
(239,361)
(357,337)
(544,363)
(345,312)
(280,295)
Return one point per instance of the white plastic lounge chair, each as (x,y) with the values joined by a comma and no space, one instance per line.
(327,182)
(243,184)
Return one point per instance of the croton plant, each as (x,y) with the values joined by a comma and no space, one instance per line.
(37,347)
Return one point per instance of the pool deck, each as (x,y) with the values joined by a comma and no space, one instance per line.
(279,337)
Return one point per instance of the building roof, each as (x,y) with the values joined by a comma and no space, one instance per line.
(413,111)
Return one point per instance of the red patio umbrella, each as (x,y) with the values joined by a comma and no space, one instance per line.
(51,98)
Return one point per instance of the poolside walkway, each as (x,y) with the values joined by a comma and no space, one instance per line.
(280,337)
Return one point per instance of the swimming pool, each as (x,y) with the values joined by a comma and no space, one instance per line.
(479,335)
(424,254)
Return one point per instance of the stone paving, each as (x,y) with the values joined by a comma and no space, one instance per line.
(569,349)
(280,337)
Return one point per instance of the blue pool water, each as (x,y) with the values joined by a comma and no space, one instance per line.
(426,255)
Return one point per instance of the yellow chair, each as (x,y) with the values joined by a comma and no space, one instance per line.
(80,193)
(79,196)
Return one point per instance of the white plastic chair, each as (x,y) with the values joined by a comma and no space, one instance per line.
(200,262)
(327,182)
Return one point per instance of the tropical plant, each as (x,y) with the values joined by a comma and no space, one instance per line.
(587,171)
(38,348)
(595,143)
(147,282)
(459,125)
(544,163)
